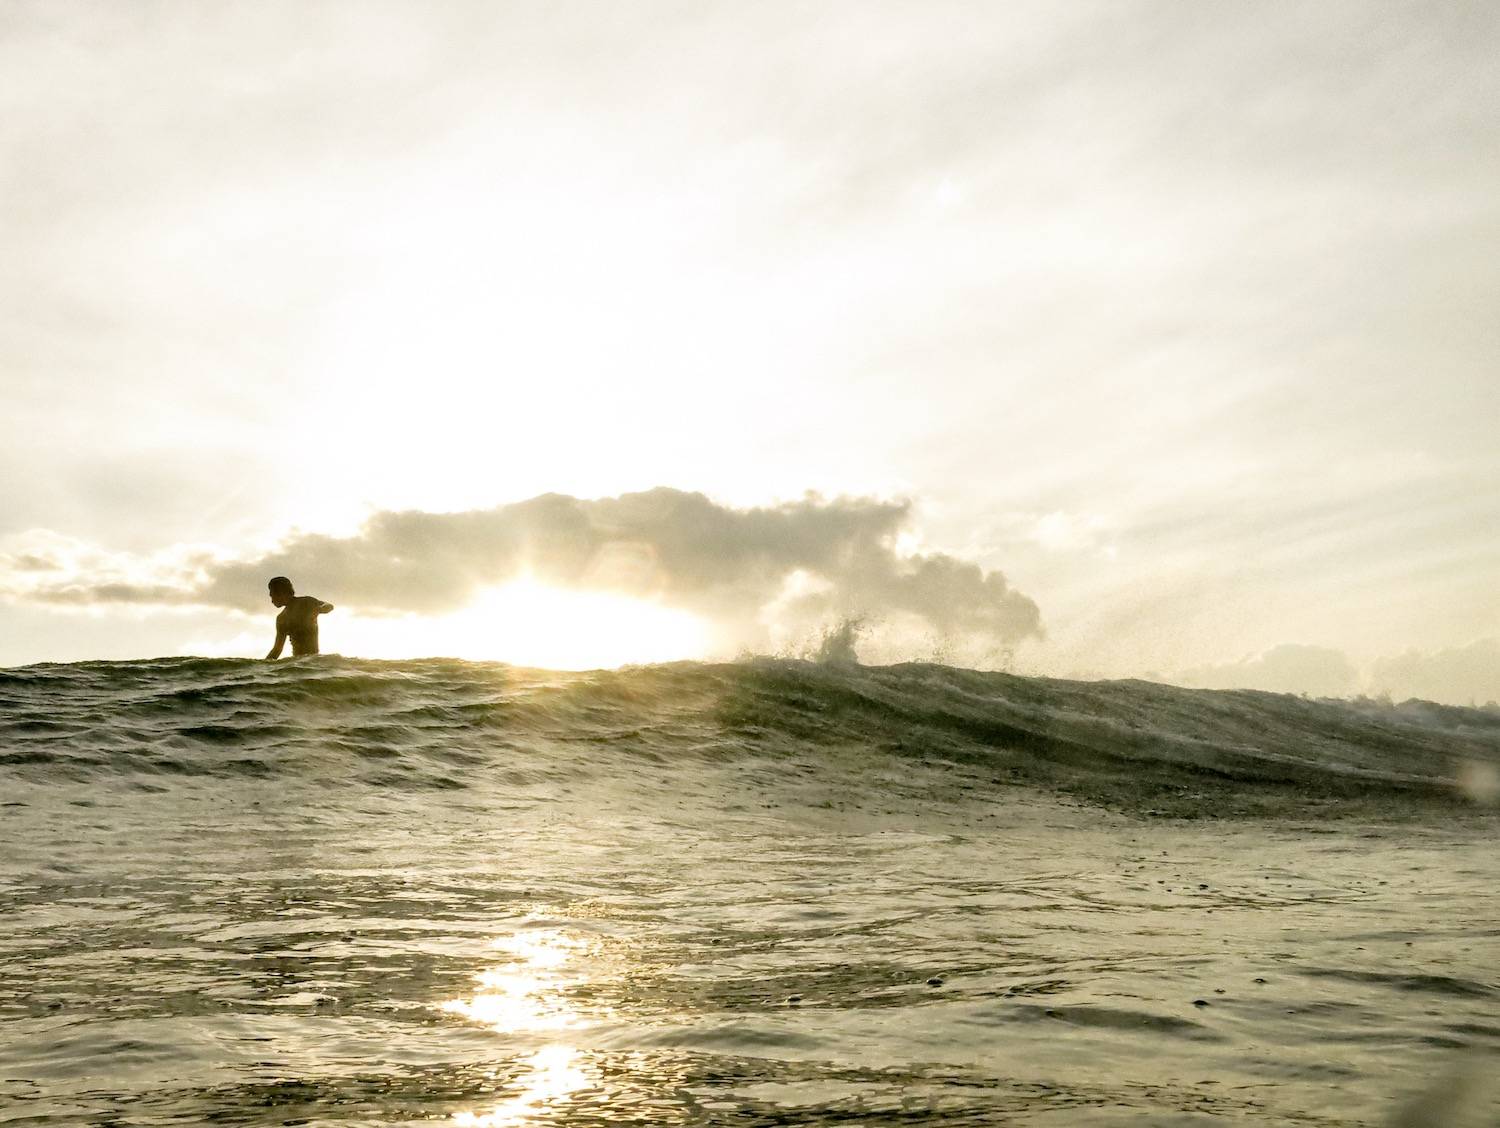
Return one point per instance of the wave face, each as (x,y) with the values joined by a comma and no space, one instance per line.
(765,893)
(447,724)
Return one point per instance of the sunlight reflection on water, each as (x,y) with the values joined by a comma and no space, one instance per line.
(526,996)
(551,1077)
(730,896)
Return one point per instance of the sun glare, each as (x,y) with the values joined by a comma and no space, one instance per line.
(531,624)
(528,996)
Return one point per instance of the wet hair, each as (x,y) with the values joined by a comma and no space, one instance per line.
(280,582)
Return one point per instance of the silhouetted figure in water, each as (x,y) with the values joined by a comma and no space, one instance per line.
(298,620)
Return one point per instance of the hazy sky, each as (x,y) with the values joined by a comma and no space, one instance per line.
(1176,320)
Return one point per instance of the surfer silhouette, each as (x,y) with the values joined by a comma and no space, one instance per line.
(298,620)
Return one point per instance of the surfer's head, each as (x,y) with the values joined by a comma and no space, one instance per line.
(281,590)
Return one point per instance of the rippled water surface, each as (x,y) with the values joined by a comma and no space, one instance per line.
(333,892)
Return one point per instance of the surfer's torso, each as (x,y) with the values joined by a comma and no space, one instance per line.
(299,622)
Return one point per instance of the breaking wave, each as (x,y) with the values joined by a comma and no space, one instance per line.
(436,723)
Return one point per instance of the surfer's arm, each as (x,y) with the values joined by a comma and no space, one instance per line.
(324,608)
(276,650)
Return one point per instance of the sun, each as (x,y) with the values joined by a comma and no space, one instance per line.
(527,623)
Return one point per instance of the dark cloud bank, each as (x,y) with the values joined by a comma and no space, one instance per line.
(801,562)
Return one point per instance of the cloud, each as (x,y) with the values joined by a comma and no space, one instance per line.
(1459,675)
(41,566)
(27,562)
(1289,668)
(754,572)
(87,595)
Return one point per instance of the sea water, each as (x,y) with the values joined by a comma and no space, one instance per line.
(338,892)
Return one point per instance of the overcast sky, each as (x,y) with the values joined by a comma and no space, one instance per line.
(1175,320)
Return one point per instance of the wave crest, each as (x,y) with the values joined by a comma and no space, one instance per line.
(441,723)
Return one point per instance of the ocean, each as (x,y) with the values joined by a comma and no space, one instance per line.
(339,892)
